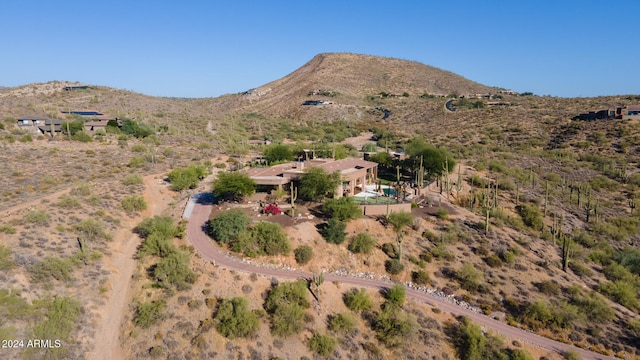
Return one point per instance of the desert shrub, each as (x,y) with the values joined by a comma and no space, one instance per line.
(136,162)
(133,203)
(186,178)
(6,261)
(149,313)
(334,231)
(286,303)
(468,277)
(531,216)
(343,209)
(622,292)
(82,137)
(580,269)
(493,261)
(7,229)
(68,202)
(594,308)
(157,245)
(264,238)
(303,254)
(362,243)
(343,323)
(161,225)
(12,306)
(132,179)
(473,343)
(442,214)
(396,295)
(630,259)
(548,287)
(54,267)
(91,230)
(174,270)
(393,327)
(393,266)
(235,319)
(390,249)
(228,225)
(37,217)
(233,184)
(139,148)
(61,320)
(539,315)
(322,345)
(420,277)
(358,300)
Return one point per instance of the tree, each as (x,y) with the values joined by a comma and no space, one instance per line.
(343,209)
(433,158)
(531,216)
(362,243)
(277,153)
(382,158)
(233,184)
(226,226)
(235,319)
(334,232)
(264,238)
(343,323)
(148,313)
(469,276)
(322,345)
(186,178)
(173,270)
(399,220)
(393,327)
(316,184)
(286,303)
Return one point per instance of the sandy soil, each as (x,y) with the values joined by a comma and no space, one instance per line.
(122,265)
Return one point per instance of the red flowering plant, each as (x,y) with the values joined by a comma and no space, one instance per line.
(272,209)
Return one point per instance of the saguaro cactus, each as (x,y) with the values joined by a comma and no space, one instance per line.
(567,247)
(294,197)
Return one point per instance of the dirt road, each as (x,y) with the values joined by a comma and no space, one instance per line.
(206,248)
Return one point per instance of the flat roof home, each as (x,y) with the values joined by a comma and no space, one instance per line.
(355,173)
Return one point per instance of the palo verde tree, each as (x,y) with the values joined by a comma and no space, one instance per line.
(226,226)
(277,153)
(186,178)
(433,158)
(399,220)
(233,185)
(316,184)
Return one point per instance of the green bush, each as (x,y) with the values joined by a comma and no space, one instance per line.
(61,320)
(343,209)
(264,238)
(343,323)
(54,267)
(622,292)
(303,254)
(468,277)
(420,277)
(162,225)
(235,319)
(393,266)
(149,313)
(174,270)
(277,153)
(358,300)
(322,345)
(92,230)
(548,287)
(233,184)
(139,148)
(186,178)
(7,229)
(286,303)
(316,184)
(133,179)
(334,232)
(37,217)
(390,249)
(531,216)
(393,327)
(227,225)
(133,203)
(396,295)
(362,243)
(6,261)
(82,137)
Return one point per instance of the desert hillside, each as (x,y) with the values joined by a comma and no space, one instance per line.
(528,217)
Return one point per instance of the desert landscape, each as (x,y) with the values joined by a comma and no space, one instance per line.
(131,226)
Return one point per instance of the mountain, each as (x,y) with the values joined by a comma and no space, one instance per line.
(346,80)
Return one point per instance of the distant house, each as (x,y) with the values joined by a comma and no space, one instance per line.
(631,112)
(80,87)
(596,115)
(625,113)
(40,125)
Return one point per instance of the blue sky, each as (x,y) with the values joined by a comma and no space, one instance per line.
(565,48)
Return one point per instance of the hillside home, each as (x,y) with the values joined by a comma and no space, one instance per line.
(355,174)
(40,125)
(631,112)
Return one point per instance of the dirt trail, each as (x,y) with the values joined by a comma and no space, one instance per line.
(205,247)
(122,265)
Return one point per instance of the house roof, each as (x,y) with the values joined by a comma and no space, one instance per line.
(347,165)
(633,107)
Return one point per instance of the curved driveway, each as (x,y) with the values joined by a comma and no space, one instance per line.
(209,251)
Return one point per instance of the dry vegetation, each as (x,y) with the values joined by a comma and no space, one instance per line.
(56,192)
